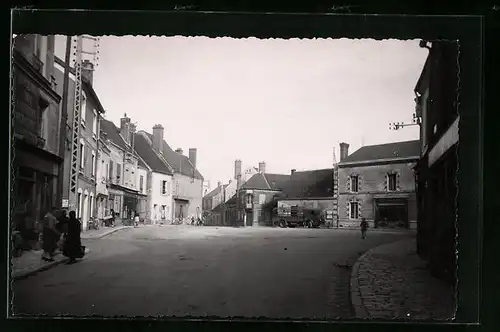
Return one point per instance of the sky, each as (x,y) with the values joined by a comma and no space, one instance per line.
(288,103)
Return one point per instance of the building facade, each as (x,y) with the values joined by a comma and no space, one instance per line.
(159,178)
(89,132)
(311,190)
(37,156)
(436,106)
(377,183)
(103,162)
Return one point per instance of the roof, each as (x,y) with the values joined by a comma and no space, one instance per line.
(266,181)
(180,163)
(424,76)
(113,133)
(406,149)
(230,202)
(308,184)
(214,192)
(144,150)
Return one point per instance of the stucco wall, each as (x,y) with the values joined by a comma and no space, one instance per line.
(159,199)
(189,189)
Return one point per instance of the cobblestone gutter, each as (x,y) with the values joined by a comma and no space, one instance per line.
(392,282)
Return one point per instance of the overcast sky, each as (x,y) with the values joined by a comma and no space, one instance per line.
(285,102)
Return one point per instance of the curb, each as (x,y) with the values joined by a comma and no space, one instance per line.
(111,231)
(23,275)
(356,298)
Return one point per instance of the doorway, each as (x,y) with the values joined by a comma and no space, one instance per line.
(391,214)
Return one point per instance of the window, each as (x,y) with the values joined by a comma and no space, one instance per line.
(164,189)
(94,124)
(82,154)
(110,170)
(43,106)
(163,212)
(354,183)
(391,182)
(118,172)
(353,210)
(249,199)
(262,198)
(79,204)
(141,183)
(83,108)
(93,163)
(91,205)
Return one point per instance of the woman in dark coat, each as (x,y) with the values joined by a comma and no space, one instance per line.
(73,244)
(50,235)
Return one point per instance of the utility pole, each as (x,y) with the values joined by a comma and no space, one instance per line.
(399,125)
(64,120)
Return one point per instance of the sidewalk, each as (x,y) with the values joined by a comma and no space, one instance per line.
(30,262)
(392,282)
(101,232)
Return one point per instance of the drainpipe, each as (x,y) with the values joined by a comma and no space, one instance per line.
(64,119)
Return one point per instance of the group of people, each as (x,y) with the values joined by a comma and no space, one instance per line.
(57,227)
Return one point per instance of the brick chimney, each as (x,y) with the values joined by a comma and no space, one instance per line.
(262,167)
(344,151)
(293,171)
(88,71)
(237,169)
(179,151)
(158,138)
(125,128)
(192,156)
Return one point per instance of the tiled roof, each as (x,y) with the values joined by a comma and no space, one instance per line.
(229,203)
(214,192)
(146,152)
(266,181)
(180,163)
(308,184)
(113,133)
(405,149)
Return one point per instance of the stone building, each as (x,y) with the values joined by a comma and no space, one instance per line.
(377,182)
(436,106)
(91,113)
(257,195)
(309,189)
(37,156)
(103,162)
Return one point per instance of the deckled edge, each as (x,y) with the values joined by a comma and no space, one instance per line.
(457,170)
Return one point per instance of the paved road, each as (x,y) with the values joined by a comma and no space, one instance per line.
(176,270)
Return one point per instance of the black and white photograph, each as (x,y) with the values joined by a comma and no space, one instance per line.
(189,176)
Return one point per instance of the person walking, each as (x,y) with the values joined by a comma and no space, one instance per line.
(364,227)
(73,245)
(50,235)
(62,225)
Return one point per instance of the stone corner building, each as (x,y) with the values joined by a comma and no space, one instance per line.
(377,182)
(37,156)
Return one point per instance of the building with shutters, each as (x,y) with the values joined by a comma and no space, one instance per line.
(377,182)
(91,114)
(157,178)
(37,155)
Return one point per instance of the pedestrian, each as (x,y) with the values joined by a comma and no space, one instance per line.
(50,235)
(364,227)
(136,220)
(112,218)
(62,226)
(73,244)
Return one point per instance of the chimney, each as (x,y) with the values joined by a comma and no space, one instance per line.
(237,169)
(192,156)
(219,184)
(179,151)
(125,128)
(87,71)
(262,167)
(293,171)
(344,151)
(158,138)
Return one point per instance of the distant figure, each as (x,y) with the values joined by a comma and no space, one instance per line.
(136,220)
(73,244)
(364,227)
(50,235)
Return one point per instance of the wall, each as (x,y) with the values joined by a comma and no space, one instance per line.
(159,199)
(190,189)
(116,156)
(144,173)
(372,180)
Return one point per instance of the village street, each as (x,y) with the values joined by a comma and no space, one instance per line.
(205,271)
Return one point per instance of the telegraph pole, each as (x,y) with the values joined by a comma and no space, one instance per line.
(64,119)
